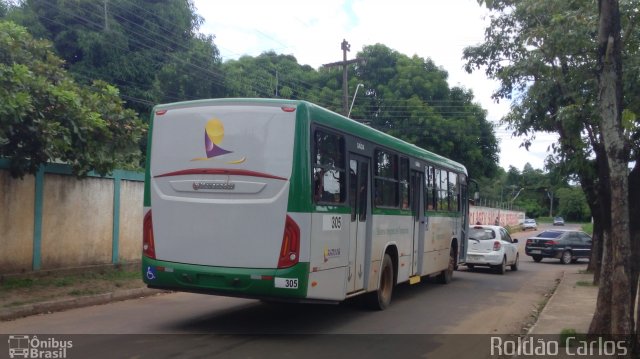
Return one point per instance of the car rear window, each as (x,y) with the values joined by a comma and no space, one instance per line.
(481,234)
(549,234)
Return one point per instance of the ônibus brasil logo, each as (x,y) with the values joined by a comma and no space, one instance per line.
(32,347)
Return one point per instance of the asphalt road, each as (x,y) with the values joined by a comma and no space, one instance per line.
(475,302)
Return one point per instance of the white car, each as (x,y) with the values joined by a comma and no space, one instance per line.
(529,224)
(492,246)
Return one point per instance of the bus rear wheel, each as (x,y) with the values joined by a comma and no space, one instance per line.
(380,299)
(446,275)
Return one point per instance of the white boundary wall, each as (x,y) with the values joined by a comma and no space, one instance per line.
(487,215)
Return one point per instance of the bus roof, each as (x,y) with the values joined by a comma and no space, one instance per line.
(333,120)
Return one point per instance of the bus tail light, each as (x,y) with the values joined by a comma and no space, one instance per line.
(290,250)
(497,246)
(148,246)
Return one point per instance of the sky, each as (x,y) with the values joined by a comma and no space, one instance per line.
(312,31)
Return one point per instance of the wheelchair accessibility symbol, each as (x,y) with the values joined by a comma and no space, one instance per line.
(151,273)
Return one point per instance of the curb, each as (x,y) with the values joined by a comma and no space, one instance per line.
(548,304)
(64,304)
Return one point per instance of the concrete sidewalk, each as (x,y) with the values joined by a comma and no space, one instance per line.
(570,307)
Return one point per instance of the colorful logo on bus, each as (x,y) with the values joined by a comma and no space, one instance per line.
(213,136)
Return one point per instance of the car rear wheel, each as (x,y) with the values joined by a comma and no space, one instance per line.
(566,258)
(501,268)
(537,259)
(514,266)
(380,299)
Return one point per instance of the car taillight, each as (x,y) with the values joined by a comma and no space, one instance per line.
(290,250)
(497,246)
(148,246)
(529,241)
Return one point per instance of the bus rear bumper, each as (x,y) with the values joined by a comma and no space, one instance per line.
(288,283)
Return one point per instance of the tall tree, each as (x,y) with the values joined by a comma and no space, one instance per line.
(45,116)
(545,54)
(134,44)
(409,97)
(610,101)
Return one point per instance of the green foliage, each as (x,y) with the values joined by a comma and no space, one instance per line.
(271,75)
(45,116)
(573,204)
(409,97)
(544,54)
(588,228)
(152,52)
(178,78)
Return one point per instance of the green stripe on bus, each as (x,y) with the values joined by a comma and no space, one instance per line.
(300,186)
(147,172)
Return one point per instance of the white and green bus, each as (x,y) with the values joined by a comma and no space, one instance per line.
(284,200)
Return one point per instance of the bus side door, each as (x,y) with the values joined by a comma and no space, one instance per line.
(419,227)
(360,201)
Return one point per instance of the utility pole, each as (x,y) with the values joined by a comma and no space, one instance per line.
(550,195)
(106,23)
(346,47)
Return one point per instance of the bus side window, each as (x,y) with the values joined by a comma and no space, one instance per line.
(443,191)
(454,199)
(405,199)
(430,192)
(353,188)
(329,174)
(386,179)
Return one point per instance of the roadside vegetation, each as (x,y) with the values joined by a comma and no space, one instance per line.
(38,287)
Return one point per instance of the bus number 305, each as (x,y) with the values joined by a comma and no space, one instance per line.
(288,283)
(336,222)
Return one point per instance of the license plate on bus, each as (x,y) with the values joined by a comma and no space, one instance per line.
(535,251)
(288,283)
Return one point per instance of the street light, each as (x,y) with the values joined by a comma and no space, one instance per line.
(516,196)
(354,99)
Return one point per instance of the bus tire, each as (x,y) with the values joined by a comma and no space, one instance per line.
(381,298)
(446,275)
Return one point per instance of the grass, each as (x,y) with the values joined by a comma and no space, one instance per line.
(584,283)
(17,283)
(47,285)
(68,279)
(588,228)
